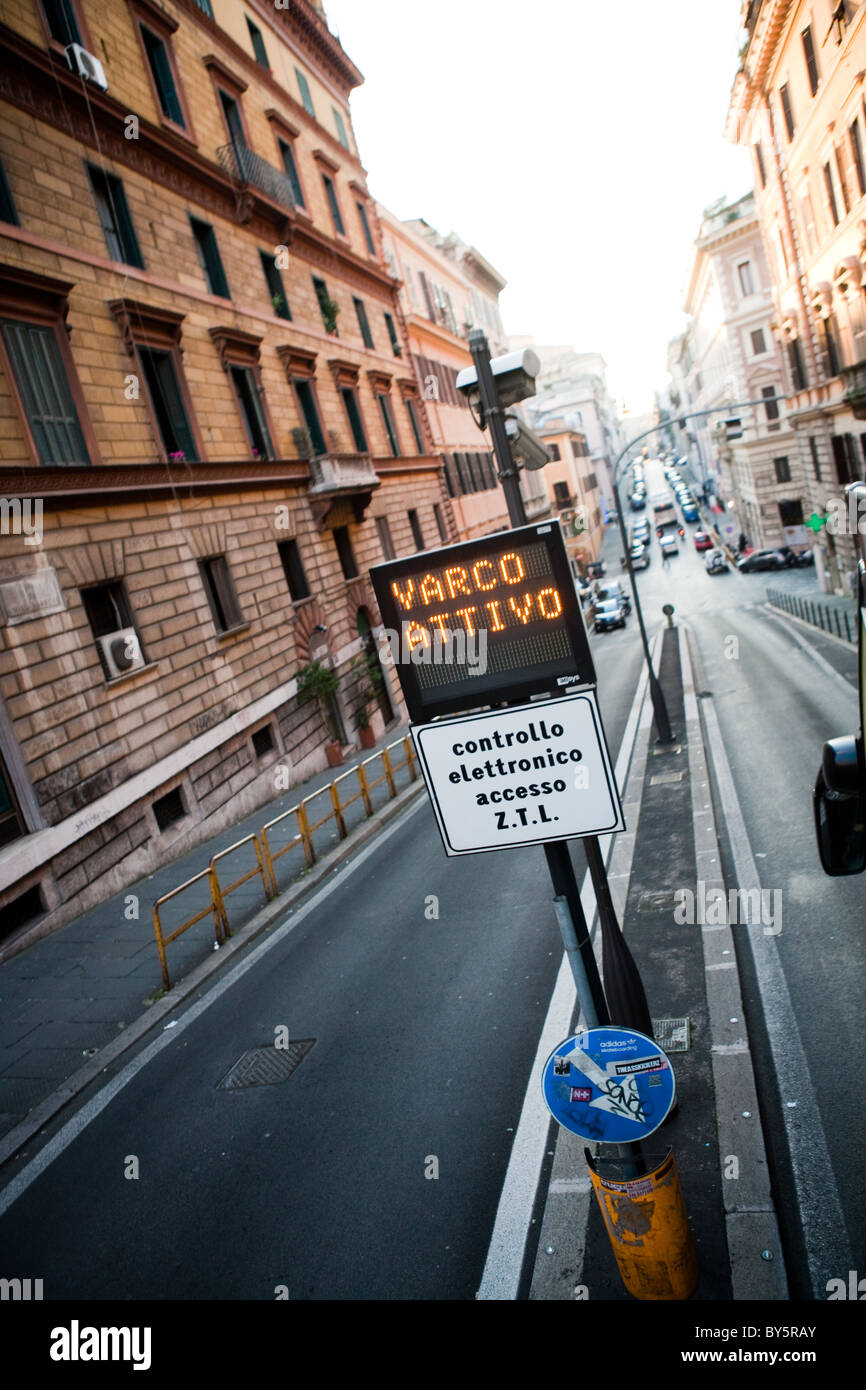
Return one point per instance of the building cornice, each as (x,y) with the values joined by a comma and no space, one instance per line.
(60,488)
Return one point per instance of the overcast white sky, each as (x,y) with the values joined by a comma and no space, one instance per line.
(574,142)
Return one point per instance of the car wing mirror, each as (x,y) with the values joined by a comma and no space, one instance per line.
(840,826)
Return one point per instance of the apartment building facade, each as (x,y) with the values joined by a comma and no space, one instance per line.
(210,429)
(798,104)
(572,487)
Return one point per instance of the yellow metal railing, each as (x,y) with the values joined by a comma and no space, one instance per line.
(267,853)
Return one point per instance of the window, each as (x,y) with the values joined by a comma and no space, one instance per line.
(785,97)
(221,596)
(12,824)
(843,182)
(345,552)
(811,64)
(168,406)
(108,612)
(807,217)
(263,741)
(829,350)
(857,155)
(327,306)
(554,452)
(7,204)
(759,161)
(304,89)
(341,129)
(396,346)
(365,228)
(232,113)
(350,401)
(771,408)
(205,7)
(331,193)
(758,343)
(848,469)
(43,386)
(163,77)
(276,288)
(209,257)
(415,524)
(363,324)
(388,421)
(440,523)
(259,51)
(798,371)
(249,399)
(310,412)
(415,423)
(816,462)
(169,809)
(385,540)
(747,284)
(62,23)
(783,470)
(831,195)
(293,569)
(291,169)
(428,298)
(114,215)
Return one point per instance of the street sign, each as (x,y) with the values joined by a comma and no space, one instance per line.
(485,621)
(611,1085)
(520,776)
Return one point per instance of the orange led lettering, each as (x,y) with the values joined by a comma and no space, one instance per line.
(406,599)
(523,614)
(464,614)
(492,608)
(554,600)
(457,586)
(476,568)
(430,585)
(440,619)
(417,636)
(516,563)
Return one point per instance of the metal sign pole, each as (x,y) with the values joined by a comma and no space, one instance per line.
(624,986)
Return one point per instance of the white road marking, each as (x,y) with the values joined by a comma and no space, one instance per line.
(502,1268)
(89,1112)
(850,687)
(820,1210)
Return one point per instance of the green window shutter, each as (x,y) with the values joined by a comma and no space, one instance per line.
(304,89)
(45,393)
(163,77)
(167,401)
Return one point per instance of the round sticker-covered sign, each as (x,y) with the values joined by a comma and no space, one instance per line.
(613,1085)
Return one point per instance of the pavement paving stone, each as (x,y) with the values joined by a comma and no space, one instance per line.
(50,1062)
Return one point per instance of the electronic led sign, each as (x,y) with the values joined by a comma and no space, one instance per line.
(486,622)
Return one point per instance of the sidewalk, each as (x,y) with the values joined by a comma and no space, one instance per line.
(689,973)
(79,991)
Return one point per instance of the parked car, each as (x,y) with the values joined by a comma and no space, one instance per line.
(614,588)
(595,570)
(797,557)
(640,534)
(668,545)
(761,560)
(716,563)
(638,501)
(690,512)
(640,557)
(703,541)
(608,615)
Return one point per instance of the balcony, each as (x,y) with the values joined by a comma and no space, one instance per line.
(341,483)
(249,170)
(854,381)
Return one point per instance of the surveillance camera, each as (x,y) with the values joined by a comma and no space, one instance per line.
(513,376)
(525,444)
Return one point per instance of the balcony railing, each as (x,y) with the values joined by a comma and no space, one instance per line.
(854,381)
(337,472)
(246,167)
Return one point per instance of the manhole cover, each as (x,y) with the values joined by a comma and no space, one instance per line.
(265,1066)
(673,1034)
(666,777)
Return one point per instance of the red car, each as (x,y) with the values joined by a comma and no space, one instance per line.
(703,541)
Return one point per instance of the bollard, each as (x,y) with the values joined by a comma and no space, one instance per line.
(649,1232)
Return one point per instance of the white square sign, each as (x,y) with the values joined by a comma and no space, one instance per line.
(520,776)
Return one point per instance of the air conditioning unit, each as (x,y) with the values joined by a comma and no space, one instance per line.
(86,65)
(121,652)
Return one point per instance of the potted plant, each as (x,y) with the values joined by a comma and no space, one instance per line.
(302,442)
(318,682)
(366,692)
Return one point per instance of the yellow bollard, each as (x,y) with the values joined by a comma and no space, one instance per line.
(649,1231)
